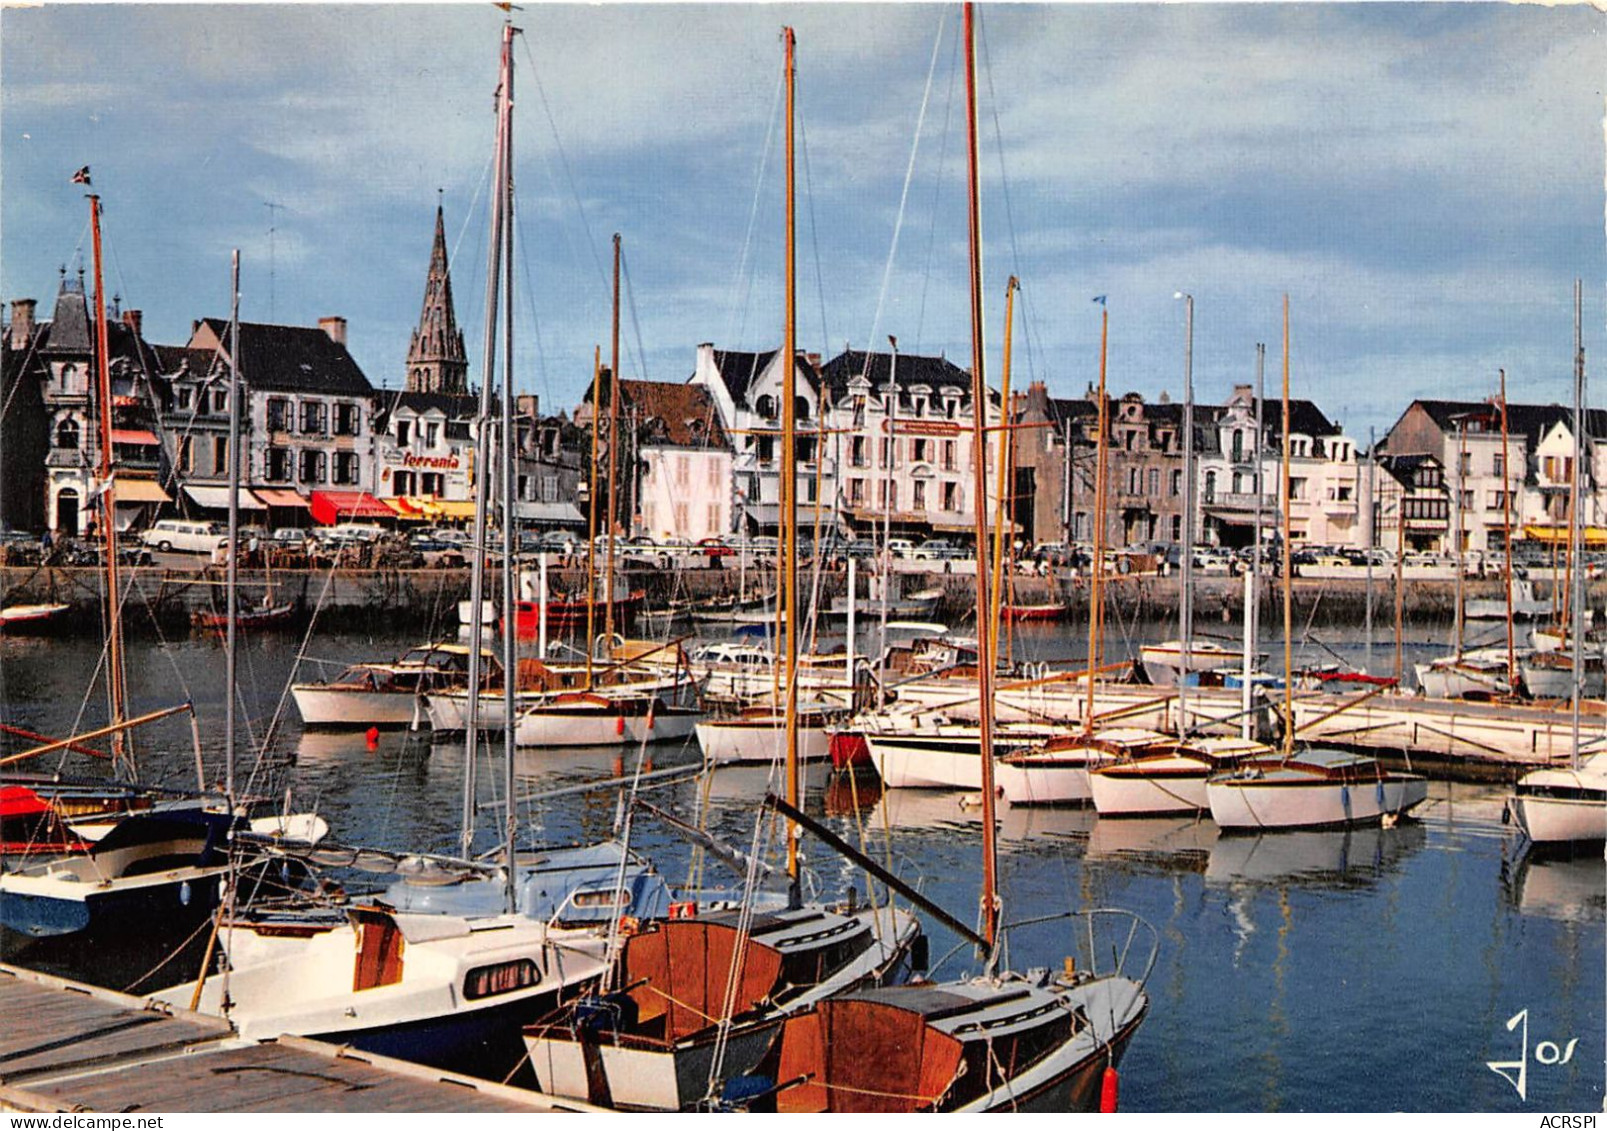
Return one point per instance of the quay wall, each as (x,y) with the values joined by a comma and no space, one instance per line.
(164,599)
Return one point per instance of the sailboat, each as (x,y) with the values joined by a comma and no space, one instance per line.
(448,964)
(700,998)
(1318,788)
(1001,1041)
(1567,806)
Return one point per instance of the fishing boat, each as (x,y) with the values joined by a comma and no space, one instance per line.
(1318,788)
(256,619)
(1041,611)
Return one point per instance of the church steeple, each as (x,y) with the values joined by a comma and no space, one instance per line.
(436,362)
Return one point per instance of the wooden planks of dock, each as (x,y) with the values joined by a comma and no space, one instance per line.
(88,1049)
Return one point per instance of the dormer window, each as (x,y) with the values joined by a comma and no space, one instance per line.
(765,406)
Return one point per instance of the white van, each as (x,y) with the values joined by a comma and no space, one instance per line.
(182,534)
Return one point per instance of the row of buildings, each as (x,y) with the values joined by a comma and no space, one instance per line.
(883,445)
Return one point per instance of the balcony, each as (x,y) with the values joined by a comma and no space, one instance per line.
(1238,501)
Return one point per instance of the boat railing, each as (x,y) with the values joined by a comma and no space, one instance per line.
(1104,941)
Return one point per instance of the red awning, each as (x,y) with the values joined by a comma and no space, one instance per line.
(279,497)
(134,436)
(330,507)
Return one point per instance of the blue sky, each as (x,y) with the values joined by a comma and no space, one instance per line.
(1424,180)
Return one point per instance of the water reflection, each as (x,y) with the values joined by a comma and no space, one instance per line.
(1571,889)
(1326,858)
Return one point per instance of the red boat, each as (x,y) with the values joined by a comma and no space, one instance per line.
(30,824)
(255,618)
(31,618)
(570,613)
(1048,611)
(849,750)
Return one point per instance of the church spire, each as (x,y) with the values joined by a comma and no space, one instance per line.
(436,362)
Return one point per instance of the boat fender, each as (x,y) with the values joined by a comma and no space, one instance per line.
(1109,1086)
(651,707)
(1506,814)
(619,724)
(683,909)
(372,738)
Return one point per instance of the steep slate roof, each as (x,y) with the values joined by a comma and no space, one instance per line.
(739,369)
(293,359)
(173,359)
(669,414)
(913,369)
(1530,420)
(69,325)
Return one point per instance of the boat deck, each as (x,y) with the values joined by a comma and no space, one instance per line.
(88,1049)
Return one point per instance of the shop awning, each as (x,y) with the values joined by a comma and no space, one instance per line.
(1590,535)
(559,513)
(139,491)
(405,508)
(279,497)
(136,436)
(447,508)
(217,498)
(330,507)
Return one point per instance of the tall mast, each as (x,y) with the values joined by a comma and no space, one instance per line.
(1252,599)
(1006,443)
(1576,625)
(115,675)
(233,597)
(1288,584)
(591,513)
(510,655)
(979,452)
(1096,572)
(1506,535)
(890,422)
(789,485)
(484,464)
(613,465)
(1459,628)
(1185,604)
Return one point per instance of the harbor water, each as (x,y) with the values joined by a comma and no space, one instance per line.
(1374,969)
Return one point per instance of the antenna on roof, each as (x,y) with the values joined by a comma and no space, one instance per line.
(273,207)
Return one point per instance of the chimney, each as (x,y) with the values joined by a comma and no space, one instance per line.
(132,319)
(335,327)
(22,322)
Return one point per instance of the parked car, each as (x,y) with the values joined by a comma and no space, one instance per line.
(190,537)
(900,547)
(289,536)
(935,550)
(714,549)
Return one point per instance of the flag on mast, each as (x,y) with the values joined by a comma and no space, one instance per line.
(82,176)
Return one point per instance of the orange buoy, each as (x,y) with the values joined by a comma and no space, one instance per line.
(1109,1086)
(619,725)
(373,738)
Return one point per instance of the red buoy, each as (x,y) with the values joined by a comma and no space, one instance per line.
(1108,1087)
(619,725)
(373,738)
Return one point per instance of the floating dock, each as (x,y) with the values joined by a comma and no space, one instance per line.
(89,1049)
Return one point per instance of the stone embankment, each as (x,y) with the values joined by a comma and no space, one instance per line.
(166,599)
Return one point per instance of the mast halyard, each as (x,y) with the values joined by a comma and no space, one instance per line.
(484,464)
(789,487)
(116,675)
(591,515)
(1576,624)
(1006,442)
(1185,604)
(979,411)
(1506,535)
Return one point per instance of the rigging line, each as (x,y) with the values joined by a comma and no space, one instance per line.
(814,231)
(937,193)
(909,176)
(739,292)
(998,140)
(474,203)
(636,322)
(524,244)
(563,160)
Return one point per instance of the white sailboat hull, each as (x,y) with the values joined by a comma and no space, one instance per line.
(1563,806)
(601,725)
(1261,804)
(732,742)
(904,763)
(1044,778)
(647,1078)
(334,707)
(1169,785)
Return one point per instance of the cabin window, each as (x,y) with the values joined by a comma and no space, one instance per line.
(501,978)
